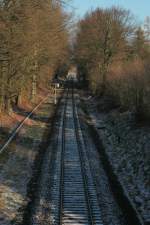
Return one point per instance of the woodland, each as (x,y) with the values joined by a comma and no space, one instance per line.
(113,54)
(33,46)
(109,47)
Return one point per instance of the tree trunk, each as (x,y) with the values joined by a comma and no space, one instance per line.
(3,91)
(103,74)
(17,100)
(7,105)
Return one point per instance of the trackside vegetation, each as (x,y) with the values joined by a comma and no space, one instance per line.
(113,54)
(33,45)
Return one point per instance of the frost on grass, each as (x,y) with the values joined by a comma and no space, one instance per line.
(16,167)
(10,201)
(127,146)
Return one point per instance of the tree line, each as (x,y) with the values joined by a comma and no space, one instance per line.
(113,54)
(33,45)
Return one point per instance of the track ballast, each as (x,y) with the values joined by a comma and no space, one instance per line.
(73,193)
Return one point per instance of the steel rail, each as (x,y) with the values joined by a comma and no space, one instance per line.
(16,130)
(87,197)
(62,159)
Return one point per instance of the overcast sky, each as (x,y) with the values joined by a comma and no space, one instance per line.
(140,8)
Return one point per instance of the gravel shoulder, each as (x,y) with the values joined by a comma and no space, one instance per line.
(127,145)
(110,210)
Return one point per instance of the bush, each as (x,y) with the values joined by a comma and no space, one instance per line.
(129,82)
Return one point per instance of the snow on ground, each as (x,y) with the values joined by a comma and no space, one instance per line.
(16,165)
(127,146)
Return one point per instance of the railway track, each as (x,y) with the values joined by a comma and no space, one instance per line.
(73,193)
(69,189)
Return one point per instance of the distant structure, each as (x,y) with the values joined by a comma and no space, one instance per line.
(72,74)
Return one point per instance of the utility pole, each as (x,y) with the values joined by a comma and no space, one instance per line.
(55,94)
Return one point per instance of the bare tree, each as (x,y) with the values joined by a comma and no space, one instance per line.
(33,35)
(103,36)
